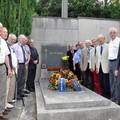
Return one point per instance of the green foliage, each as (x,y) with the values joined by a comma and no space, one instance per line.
(49,8)
(89,8)
(85,8)
(16,15)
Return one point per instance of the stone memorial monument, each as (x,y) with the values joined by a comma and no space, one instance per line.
(52,54)
(83,105)
(55,105)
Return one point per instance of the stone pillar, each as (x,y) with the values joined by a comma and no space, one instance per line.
(64,9)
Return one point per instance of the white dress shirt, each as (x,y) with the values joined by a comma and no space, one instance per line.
(113,48)
(4,51)
(14,58)
(93,58)
(19,53)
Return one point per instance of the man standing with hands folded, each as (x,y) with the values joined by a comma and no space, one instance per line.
(4,60)
(112,56)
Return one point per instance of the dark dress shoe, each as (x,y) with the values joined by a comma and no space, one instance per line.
(7,110)
(19,98)
(32,90)
(26,92)
(3,118)
(5,113)
(23,95)
(118,103)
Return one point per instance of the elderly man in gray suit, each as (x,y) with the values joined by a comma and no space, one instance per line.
(84,65)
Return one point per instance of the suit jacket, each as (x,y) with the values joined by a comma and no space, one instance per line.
(84,59)
(103,59)
(93,58)
(118,59)
(70,54)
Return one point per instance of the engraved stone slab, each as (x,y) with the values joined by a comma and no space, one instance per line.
(52,54)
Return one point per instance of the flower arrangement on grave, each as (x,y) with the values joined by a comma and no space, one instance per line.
(69,78)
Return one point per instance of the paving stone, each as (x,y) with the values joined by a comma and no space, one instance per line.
(24,113)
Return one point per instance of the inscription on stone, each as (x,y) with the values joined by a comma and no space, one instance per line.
(52,54)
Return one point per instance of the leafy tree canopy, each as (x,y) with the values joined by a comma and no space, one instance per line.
(16,15)
(85,8)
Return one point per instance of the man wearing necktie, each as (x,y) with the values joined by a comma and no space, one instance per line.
(103,66)
(23,51)
(85,65)
(93,61)
(20,53)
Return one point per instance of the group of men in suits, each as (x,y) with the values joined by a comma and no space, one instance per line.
(18,62)
(99,66)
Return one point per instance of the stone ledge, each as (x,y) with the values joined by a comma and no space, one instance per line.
(109,112)
(67,100)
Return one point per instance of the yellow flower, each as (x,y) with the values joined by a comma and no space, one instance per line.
(65,58)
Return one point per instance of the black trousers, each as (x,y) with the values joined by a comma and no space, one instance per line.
(21,78)
(104,82)
(77,71)
(70,64)
(87,79)
(31,77)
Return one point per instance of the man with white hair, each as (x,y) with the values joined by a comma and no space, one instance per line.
(4,60)
(112,56)
(93,62)
(21,57)
(103,66)
(11,87)
(34,60)
(4,33)
(84,65)
(27,55)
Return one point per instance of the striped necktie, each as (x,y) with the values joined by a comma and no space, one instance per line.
(23,51)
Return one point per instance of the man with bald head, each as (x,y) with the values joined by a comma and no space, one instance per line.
(19,49)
